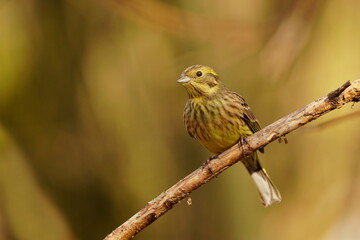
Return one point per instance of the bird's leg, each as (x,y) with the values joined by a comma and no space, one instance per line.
(242,143)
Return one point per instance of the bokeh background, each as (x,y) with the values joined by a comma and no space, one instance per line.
(91,116)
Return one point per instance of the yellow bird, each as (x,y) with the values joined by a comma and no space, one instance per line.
(218,118)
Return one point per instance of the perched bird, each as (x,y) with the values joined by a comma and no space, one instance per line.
(218,118)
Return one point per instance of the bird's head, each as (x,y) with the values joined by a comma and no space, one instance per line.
(200,81)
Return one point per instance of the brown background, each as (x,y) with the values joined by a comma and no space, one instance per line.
(91,116)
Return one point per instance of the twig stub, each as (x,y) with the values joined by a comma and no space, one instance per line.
(336,93)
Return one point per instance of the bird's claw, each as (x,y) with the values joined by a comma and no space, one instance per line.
(242,143)
(206,163)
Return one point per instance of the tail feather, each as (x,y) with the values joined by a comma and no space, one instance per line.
(267,191)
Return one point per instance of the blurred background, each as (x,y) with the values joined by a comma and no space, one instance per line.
(91,116)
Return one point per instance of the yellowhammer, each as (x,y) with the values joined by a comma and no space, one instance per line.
(218,118)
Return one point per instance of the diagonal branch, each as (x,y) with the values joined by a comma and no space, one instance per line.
(349,92)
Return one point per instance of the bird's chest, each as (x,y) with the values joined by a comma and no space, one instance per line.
(210,124)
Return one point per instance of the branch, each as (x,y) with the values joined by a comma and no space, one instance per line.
(349,92)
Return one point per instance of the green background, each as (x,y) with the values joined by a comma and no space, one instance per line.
(91,116)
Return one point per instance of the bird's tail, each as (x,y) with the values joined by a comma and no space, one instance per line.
(267,190)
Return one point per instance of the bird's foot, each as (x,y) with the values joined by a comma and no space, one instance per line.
(241,144)
(206,163)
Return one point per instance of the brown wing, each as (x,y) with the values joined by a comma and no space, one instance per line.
(251,120)
(249,117)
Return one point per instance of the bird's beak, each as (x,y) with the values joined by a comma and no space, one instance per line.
(183,79)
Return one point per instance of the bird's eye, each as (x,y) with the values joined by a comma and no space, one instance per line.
(199,73)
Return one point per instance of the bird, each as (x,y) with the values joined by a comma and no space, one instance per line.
(219,118)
